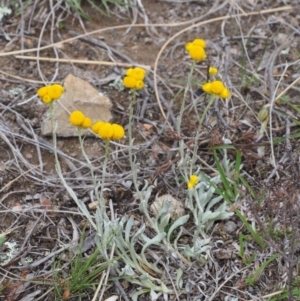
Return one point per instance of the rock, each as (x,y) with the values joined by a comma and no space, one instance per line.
(229,227)
(78,95)
(176,208)
(28,156)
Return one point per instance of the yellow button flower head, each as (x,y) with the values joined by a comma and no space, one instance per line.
(207,88)
(129,72)
(55,91)
(138,73)
(193,181)
(213,70)
(139,85)
(41,92)
(46,99)
(216,87)
(188,46)
(224,94)
(50,93)
(118,130)
(199,42)
(134,78)
(197,53)
(77,118)
(87,123)
(106,131)
(196,49)
(129,82)
(96,126)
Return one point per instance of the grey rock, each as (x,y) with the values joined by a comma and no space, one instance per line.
(78,95)
(230,227)
(176,208)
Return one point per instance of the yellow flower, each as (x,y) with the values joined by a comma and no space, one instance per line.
(217,87)
(199,42)
(213,70)
(118,131)
(134,78)
(87,122)
(46,99)
(129,82)
(139,85)
(207,88)
(197,53)
(42,92)
(196,49)
(55,91)
(106,131)
(77,118)
(96,126)
(50,93)
(193,181)
(129,72)
(138,73)
(188,46)
(225,93)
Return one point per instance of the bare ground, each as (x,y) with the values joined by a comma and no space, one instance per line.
(267,44)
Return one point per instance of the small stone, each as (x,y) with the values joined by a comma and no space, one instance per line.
(176,208)
(229,227)
(148,40)
(28,156)
(78,95)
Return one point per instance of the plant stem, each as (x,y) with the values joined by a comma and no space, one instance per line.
(179,118)
(195,151)
(130,146)
(89,164)
(102,202)
(71,192)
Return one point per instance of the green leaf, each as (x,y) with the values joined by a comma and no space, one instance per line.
(179,222)
(2,239)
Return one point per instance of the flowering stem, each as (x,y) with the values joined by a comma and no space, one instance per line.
(59,172)
(194,158)
(131,159)
(184,97)
(179,118)
(101,199)
(57,165)
(89,164)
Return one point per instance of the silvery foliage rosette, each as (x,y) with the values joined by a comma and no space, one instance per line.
(206,208)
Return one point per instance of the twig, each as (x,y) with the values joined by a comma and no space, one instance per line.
(227,279)
(87,62)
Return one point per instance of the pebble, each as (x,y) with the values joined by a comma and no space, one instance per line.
(176,208)
(229,227)
(28,156)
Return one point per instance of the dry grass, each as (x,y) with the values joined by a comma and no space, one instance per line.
(256,53)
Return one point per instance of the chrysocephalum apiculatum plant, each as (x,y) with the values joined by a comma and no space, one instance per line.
(204,205)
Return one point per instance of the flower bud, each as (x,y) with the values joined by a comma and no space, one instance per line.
(263,114)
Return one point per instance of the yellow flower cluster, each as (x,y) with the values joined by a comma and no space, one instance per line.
(105,130)
(50,93)
(216,87)
(108,131)
(134,78)
(77,118)
(213,70)
(196,49)
(193,181)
